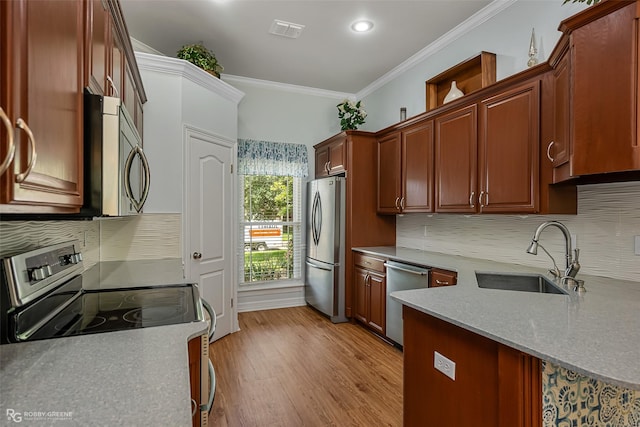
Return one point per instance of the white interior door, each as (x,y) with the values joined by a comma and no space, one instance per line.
(209,218)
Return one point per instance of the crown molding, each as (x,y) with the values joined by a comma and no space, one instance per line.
(303,90)
(478,18)
(180,67)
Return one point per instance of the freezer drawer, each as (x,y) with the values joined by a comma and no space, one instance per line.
(324,289)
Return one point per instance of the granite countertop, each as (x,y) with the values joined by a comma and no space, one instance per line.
(134,377)
(596,333)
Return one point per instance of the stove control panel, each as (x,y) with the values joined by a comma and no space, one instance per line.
(32,274)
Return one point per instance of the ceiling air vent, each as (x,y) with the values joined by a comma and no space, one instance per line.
(286,29)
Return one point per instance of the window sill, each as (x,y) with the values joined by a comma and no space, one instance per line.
(278,284)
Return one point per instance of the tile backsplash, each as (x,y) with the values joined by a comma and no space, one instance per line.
(21,236)
(142,237)
(607,221)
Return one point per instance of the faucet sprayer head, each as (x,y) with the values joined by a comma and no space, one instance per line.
(533,248)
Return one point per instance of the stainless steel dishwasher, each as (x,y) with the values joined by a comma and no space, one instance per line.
(401,277)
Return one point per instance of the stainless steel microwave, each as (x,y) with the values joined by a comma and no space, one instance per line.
(116,173)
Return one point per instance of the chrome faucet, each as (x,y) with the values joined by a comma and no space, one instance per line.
(572,264)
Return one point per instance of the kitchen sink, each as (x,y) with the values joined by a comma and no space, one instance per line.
(518,282)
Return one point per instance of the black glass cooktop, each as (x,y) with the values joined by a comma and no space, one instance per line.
(122,309)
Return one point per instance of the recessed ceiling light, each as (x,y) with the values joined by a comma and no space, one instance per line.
(362,26)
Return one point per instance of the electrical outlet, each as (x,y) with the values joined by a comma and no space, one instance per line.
(637,241)
(444,365)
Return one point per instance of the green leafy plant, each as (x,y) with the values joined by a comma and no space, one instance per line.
(201,57)
(351,114)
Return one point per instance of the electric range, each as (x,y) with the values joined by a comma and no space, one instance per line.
(42,296)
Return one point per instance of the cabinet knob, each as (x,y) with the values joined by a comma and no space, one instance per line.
(197,255)
(11,147)
(32,158)
(549,151)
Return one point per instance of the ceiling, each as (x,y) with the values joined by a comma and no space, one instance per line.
(328,54)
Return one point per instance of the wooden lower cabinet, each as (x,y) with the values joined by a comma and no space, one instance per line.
(370,289)
(495,385)
(442,278)
(195,369)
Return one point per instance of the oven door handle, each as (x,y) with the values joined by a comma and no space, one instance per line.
(212,316)
(212,389)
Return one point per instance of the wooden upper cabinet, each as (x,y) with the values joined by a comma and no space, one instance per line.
(509,150)
(389,173)
(559,149)
(417,168)
(331,156)
(456,159)
(97,28)
(116,64)
(43,51)
(605,104)
(405,170)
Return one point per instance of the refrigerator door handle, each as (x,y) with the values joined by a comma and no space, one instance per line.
(317,266)
(319,218)
(314,232)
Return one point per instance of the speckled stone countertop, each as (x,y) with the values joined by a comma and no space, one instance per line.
(126,378)
(596,334)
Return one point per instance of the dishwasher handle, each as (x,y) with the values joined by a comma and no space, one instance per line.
(418,271)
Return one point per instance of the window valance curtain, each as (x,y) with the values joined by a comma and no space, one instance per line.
(272,158)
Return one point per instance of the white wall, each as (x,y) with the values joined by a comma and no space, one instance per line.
(282,113)
(506,34)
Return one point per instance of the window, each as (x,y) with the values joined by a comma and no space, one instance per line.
(270,228)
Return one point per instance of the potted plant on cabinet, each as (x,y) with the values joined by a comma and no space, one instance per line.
(201,57)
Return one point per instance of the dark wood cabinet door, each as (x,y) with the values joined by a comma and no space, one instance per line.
(558,149)
(96,36)
(605,94)
(509,150)
(129,91)
(456,159)
(377,302)
(322,162)
(361,294)
(389,174)
(338,156)
(195,353)
(417,168)
(442,278)
(43,90)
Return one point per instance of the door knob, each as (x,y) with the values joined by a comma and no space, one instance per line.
(197,255)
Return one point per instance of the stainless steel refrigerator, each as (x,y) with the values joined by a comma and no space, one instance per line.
(324,264)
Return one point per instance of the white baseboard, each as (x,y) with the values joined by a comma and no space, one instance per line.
(269,299)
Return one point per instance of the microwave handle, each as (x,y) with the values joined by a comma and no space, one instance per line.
(137,204)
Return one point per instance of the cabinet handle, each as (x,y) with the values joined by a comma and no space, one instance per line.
(11,148)
(486,198)
(443,283)
(471,199)
(549,151)
(480,198)
(398,203)
(32,162)
(113,86)
(402,203)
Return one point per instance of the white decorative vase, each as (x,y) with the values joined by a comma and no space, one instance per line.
(454,93)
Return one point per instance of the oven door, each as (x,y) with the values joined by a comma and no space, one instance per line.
(203,375)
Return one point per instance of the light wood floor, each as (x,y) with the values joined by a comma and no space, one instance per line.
(293,367)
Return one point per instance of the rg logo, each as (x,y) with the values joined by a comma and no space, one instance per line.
(14,416)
